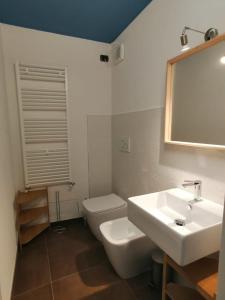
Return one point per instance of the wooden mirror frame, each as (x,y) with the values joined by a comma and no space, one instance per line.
(169,94)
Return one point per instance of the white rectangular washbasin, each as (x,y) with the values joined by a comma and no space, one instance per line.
(155,215)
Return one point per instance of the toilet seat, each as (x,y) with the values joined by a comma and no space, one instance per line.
(103,204)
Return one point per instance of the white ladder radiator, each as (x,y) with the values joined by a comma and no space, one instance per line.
(43,106)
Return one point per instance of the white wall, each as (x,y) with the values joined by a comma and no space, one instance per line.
(89,83)
(221,287)
(138,98)
(99,155)
(139,85)
(153,38)
(7,194)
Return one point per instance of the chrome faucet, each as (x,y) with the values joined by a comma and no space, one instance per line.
(198,190)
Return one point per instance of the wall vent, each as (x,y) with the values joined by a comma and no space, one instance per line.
(118,53)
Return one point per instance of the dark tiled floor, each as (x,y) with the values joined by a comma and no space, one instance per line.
(73,266)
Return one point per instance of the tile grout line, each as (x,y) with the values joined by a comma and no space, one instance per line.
(96,245)
(78,272)
(30,290)
(51,282)
(36,287)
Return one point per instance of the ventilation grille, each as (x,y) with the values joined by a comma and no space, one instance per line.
(118,53)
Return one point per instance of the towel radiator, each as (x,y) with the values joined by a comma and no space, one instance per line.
(43,107)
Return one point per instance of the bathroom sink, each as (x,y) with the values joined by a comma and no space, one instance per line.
(184,232)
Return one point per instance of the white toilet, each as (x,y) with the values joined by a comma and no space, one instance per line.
(101,209)
(128,249)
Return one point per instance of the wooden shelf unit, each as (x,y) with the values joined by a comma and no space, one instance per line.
(29,232)
(26,197)
(178,292)
(202,274)
(26,217)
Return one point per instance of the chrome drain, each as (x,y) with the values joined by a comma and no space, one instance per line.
(179,222)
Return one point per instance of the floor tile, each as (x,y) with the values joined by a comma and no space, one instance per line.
(91,257)
(55,239)
(148,293)
(76,231)
(69,254)
(79,269)
(32,269)
(114,292)
(99,275)
(139,281)
(43,293)
(141,288)
(84,284)
(69,260)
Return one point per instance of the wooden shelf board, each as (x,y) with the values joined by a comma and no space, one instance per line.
(203,274)
(177,292)
(30,196)
(28,233)
(32,214)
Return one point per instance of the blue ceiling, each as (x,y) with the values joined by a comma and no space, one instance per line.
(99,20)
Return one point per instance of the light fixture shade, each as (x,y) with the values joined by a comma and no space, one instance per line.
(222,60)
(208,35)
(184,39)
(211,33)
(185,48)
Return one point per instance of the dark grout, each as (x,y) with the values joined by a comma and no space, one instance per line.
(28,291)
(50,272)
(79,272)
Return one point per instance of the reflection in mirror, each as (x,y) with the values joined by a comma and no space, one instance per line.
(196,108)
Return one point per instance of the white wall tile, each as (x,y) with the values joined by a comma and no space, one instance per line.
(99,155)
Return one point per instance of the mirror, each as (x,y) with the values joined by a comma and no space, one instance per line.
(195,98)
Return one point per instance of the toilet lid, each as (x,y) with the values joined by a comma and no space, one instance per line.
(104,203)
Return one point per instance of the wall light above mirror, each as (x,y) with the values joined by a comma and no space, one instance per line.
(210,34)
(195,96)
